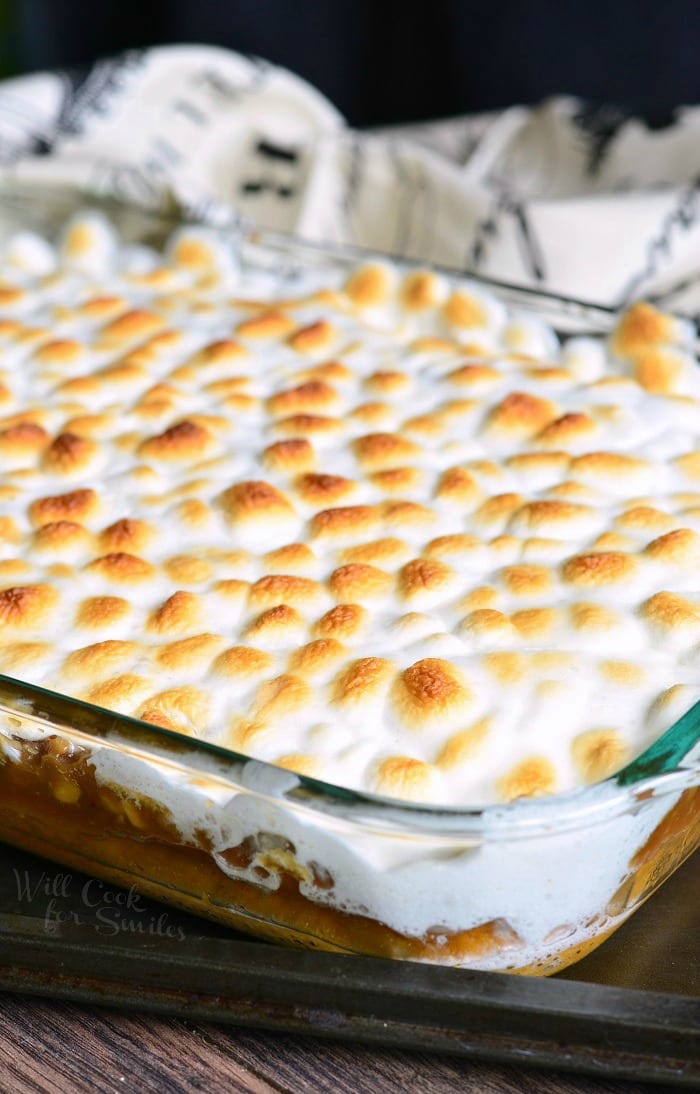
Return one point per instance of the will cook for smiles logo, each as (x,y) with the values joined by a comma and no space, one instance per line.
(64,899)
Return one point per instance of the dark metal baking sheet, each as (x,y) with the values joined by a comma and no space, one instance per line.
(631,1009)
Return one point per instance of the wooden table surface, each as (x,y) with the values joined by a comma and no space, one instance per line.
(66,1049)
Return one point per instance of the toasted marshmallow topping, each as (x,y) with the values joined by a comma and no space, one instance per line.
(382,533)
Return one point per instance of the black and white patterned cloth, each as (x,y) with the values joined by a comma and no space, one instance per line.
(589,202)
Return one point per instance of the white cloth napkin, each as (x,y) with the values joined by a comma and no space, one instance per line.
(589,202)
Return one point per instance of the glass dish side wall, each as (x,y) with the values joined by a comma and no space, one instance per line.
(262,853)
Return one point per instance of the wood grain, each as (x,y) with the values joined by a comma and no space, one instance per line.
(57,1048)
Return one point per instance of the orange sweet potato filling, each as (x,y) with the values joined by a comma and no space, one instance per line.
(132,841)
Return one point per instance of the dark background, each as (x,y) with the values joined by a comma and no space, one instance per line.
(385,61)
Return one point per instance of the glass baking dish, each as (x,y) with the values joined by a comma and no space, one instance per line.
(528,887)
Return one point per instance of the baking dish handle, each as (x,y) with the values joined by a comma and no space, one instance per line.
(678,748)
